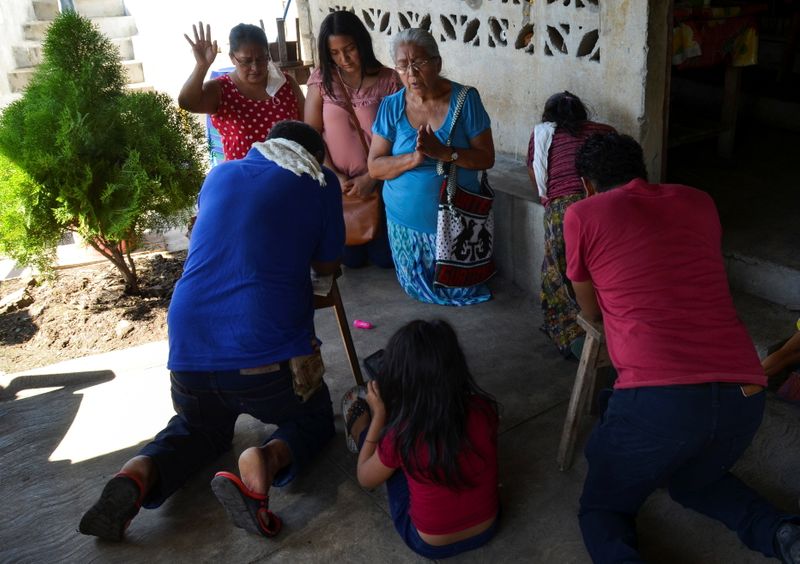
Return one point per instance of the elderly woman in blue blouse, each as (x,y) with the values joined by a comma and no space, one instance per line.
(411,130)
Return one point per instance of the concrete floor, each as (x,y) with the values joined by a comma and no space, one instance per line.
(59,445)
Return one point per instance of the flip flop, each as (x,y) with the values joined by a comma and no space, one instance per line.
(354,405)
(248,510)
(119,503)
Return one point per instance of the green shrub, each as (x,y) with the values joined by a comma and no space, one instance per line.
(25,237)
(102,161)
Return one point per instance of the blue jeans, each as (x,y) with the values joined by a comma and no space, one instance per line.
(399,505)
(684,438)
(207,406)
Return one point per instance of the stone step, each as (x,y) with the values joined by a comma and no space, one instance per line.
(100,8)
(7,99)
(29,53)
(140,87)
(113,27)
(134,71)
(763,278)
(18,79)
(45,10)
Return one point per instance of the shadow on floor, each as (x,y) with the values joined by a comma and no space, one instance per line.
(327,516)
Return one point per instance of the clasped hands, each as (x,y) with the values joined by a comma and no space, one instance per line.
(428,145)
(359,186)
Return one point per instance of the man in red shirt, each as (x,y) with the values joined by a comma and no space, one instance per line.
(689,397)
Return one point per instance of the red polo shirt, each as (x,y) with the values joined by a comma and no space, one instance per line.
(653,254)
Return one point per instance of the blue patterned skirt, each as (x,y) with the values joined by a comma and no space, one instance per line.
(414,254)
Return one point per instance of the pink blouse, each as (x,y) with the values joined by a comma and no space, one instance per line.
(345,148)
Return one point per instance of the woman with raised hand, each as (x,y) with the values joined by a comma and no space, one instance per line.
(344,93)
(245,103)
(411,132)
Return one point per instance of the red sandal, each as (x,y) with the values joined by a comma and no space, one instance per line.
(248,510)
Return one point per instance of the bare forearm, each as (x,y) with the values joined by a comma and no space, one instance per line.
(472,159)
(587,300)
(373,436)
(191,97)
(389,167)
(787,355)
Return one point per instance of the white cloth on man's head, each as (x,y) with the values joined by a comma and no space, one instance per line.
(542,138)
(292,156)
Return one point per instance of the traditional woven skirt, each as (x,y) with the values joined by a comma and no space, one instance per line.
(414,254)
(559,307)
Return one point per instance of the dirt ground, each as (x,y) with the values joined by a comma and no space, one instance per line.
(84,311)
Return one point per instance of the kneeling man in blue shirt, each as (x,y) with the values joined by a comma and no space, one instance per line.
(241,335)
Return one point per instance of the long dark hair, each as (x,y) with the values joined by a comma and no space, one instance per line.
(343,22)
(428,392)
(566,110)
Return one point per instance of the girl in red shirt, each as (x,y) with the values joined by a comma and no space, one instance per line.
(430,433)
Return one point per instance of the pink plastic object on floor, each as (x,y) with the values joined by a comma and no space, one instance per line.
(362,324)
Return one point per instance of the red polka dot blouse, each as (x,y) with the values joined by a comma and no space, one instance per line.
(242,121)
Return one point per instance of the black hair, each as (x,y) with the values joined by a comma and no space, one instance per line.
(301,133)
(245,34)
(347,23)
(610,160)
(428,392)
(566,110)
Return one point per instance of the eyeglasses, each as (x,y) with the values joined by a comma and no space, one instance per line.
(258,62)
(416,65)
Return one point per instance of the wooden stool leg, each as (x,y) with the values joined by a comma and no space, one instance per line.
(584,383)
(344,330)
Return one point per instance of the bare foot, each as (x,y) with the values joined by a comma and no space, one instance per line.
(258,466)
(359,425)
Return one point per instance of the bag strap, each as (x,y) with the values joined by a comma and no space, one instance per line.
(353,118)
(460,99)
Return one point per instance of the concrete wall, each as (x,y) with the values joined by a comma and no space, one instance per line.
(608,52)
(611,53)
(13,14)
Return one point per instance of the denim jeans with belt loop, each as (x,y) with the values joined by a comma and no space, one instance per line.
(684,438)
(207,406)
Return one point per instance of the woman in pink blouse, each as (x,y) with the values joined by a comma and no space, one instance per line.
(350,76)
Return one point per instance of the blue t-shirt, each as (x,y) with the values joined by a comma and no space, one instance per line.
(245,297)
(412,198)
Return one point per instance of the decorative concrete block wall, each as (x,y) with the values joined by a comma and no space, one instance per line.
(518,52)
(611,53)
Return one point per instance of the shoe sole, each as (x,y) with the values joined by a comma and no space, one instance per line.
(235,505)
(109,517)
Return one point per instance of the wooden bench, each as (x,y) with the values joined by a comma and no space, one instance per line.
(334,299)
(594,356)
